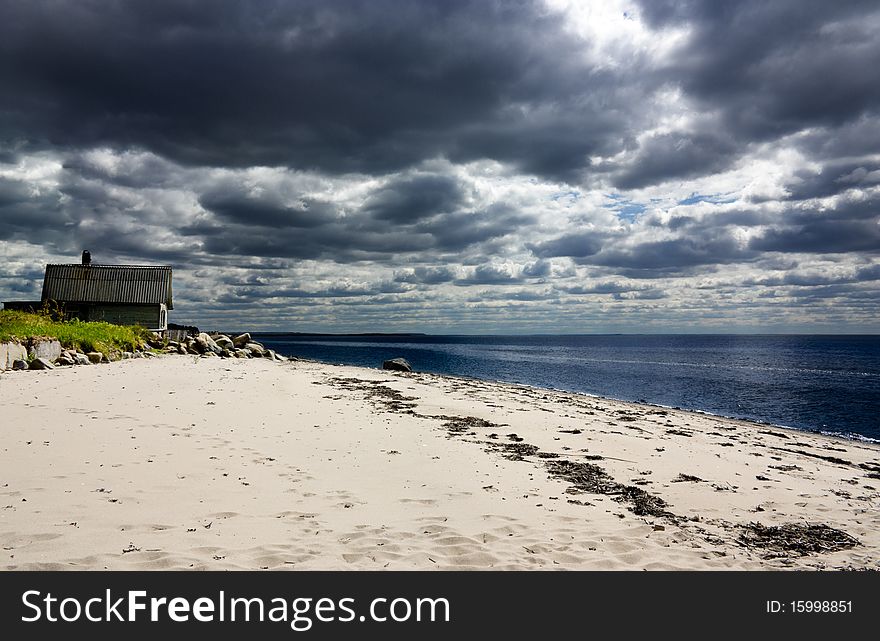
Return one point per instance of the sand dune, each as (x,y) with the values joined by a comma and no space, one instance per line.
(197,463)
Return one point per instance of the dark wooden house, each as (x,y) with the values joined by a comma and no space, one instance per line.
(118,294)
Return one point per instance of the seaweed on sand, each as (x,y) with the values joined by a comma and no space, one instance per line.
(586,477)
(795,539)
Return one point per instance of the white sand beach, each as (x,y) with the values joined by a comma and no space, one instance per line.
(183,462)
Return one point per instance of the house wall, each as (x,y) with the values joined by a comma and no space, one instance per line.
(148,316)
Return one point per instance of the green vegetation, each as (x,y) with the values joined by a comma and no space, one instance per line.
(73,334)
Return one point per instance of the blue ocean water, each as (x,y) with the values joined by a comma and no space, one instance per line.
(818,383)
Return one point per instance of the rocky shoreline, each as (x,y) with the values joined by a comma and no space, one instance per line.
(41,353)
(221,345)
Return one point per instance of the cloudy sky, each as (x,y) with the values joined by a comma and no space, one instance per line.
(472,167)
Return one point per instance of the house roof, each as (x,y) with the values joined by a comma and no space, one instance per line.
(132,284)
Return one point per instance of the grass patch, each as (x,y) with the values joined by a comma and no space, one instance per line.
(73,334)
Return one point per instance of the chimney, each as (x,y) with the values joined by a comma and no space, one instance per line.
(87,257)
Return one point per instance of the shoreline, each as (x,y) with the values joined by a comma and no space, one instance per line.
(182,462)
(849,437)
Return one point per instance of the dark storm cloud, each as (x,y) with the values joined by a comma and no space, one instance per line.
(647,258)
(578,245)
(345,86)
(265,210)
(414,198)
(677,156)
(133,170)
(822,237)
(672,255)
(772,68)
(833,178)
(694,223)
(35,217)
(459,230)
(333,291)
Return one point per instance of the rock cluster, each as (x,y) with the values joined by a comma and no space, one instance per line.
(204,344)
(47,353)
(42,353)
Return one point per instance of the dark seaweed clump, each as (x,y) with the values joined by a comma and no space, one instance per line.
(687,478)
(458,425)
(586,477)
(795,539)
(389,399)
(514,451)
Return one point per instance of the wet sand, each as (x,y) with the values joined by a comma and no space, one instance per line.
(184,463)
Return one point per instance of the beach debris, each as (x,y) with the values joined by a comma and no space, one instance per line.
(687,478)
(830,459)
(131,548)
(873,468)
(513,451)
(388,399)
(397,364)
(794,539)
(679,432)
(458,425)
(592,479)
(772,433)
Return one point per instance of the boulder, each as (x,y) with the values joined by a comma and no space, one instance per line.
(397,364)
(41,363)
(256,349)
(48,350)
(11,352)
(224,342)
(241,340)
(241,353)
(95,357)
(181,349)
(81,359)
(19,365)
(65,360)
(205,344)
